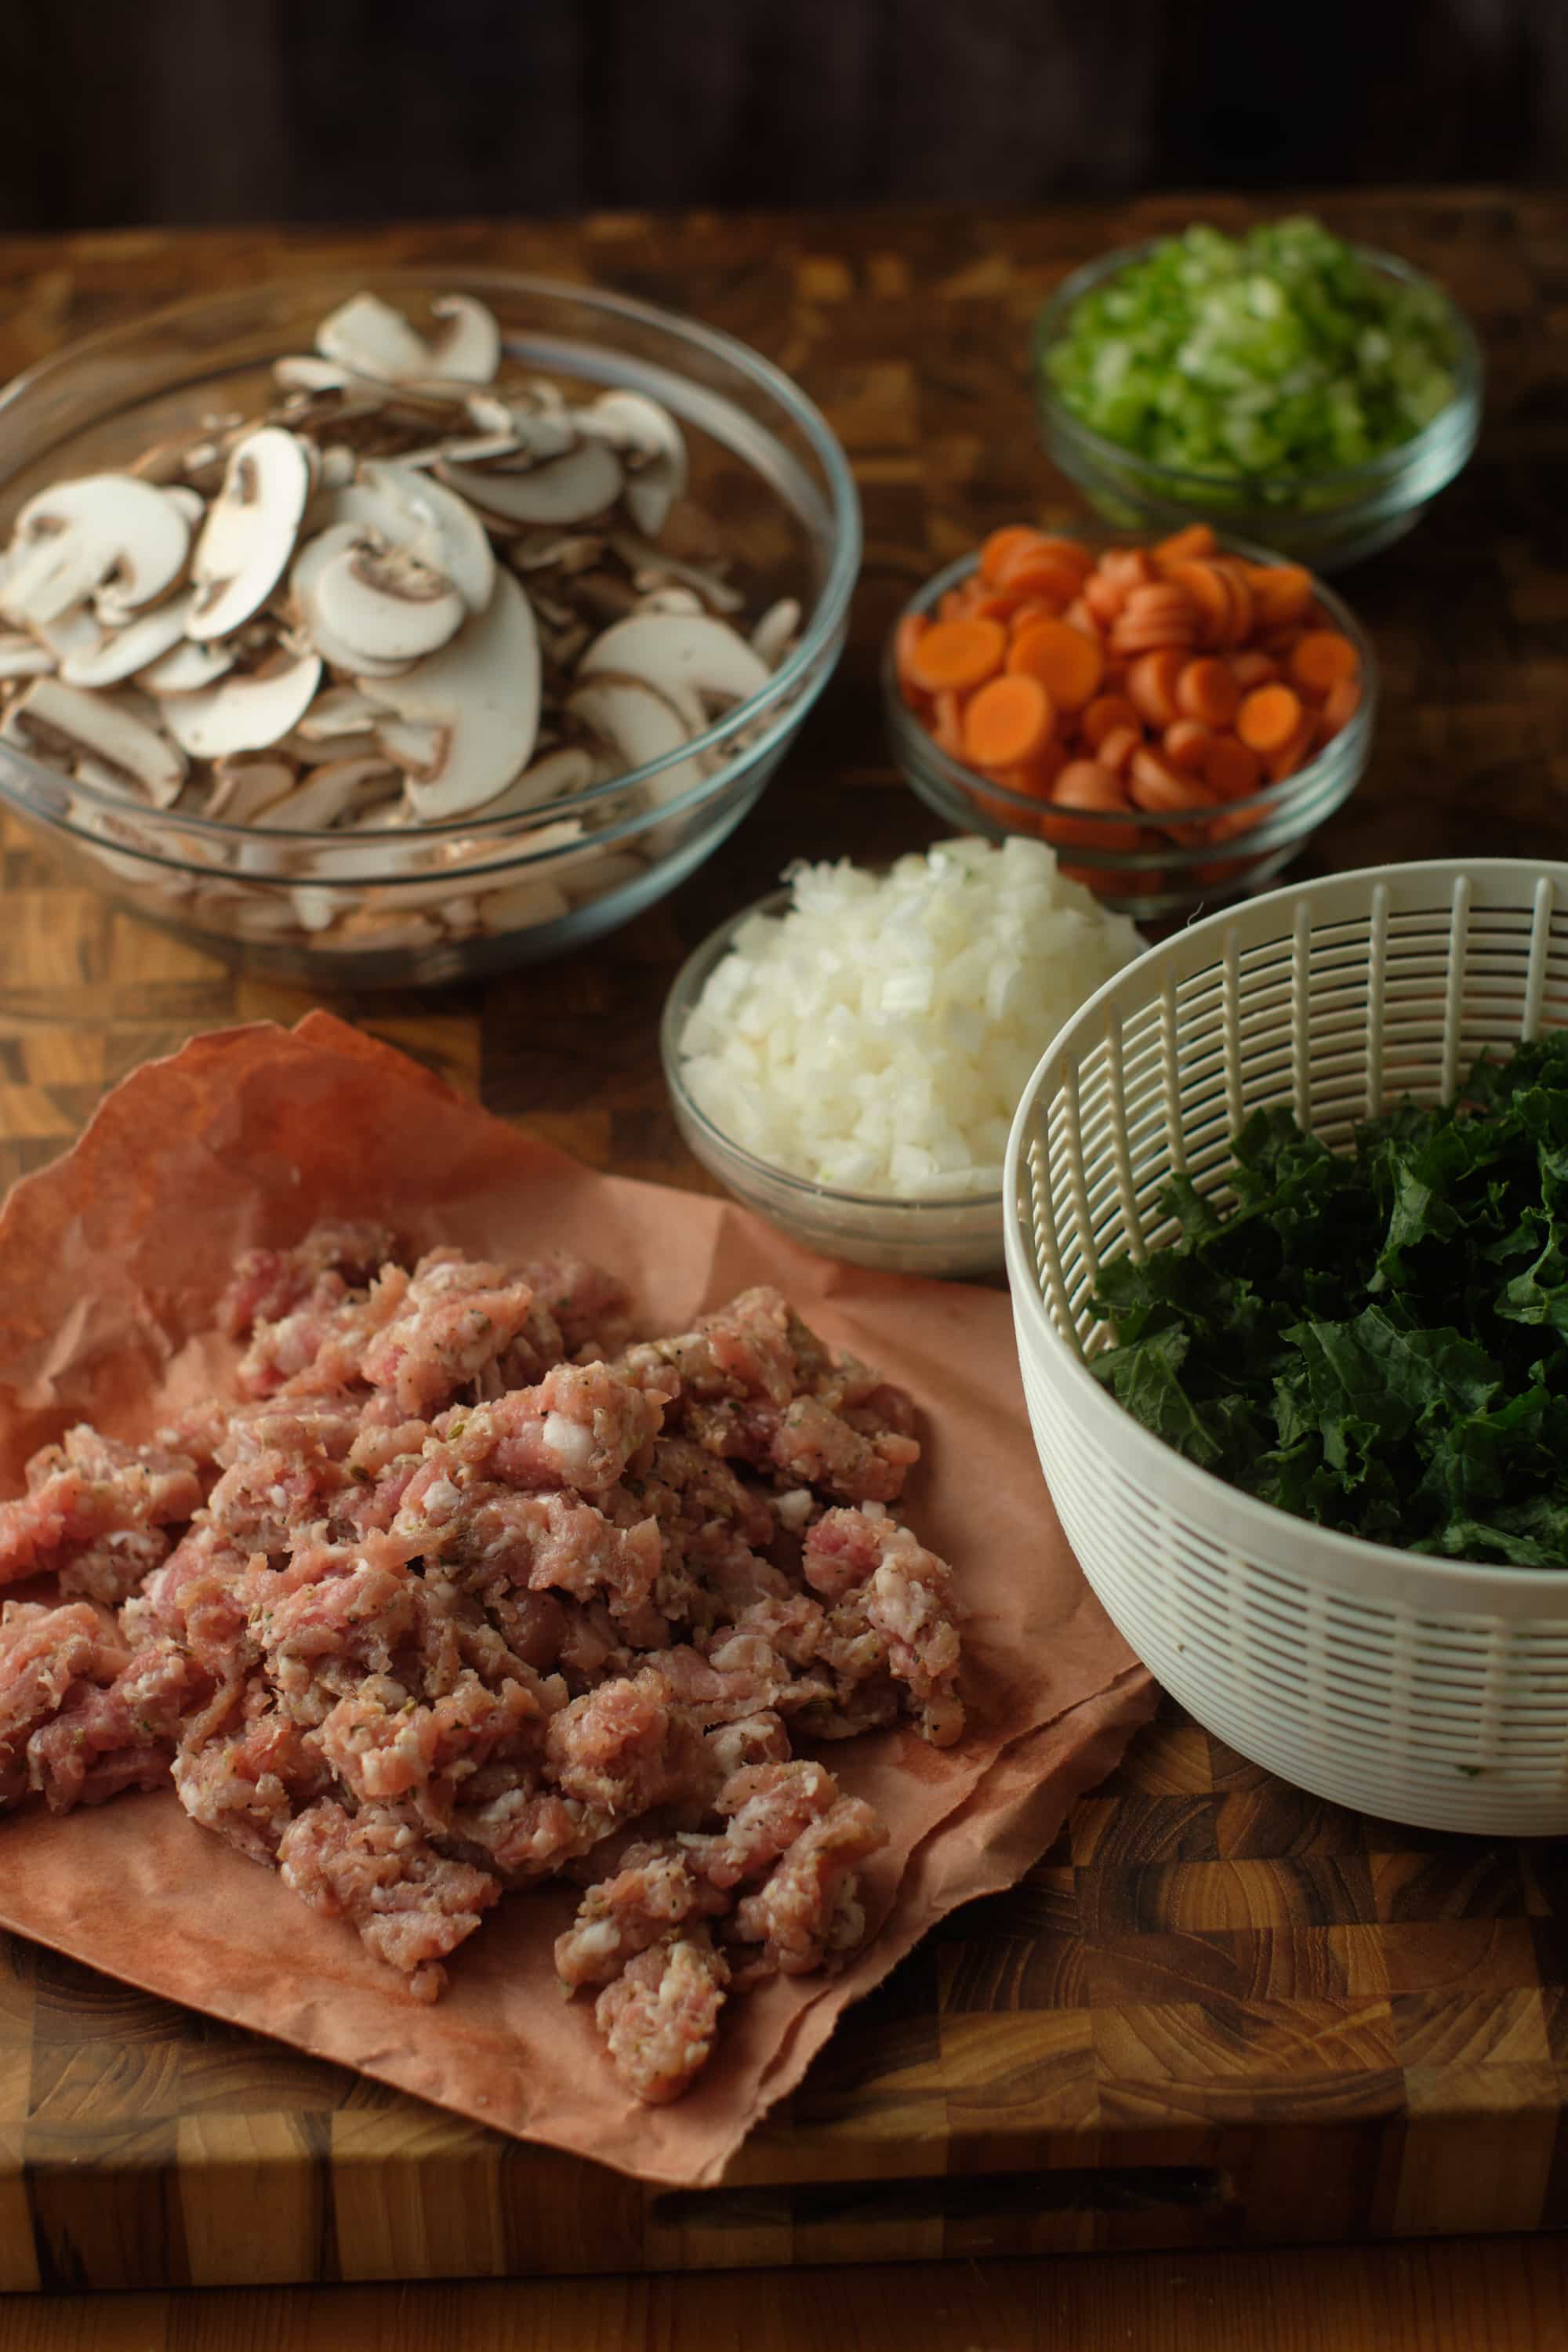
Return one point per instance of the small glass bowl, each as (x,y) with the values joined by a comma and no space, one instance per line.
(1324,520)
(1157,874)
(963,1235)
(429,903)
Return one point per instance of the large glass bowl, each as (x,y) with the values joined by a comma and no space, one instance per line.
(431,903)
(1324,520)
(1161,870)
(963,1235)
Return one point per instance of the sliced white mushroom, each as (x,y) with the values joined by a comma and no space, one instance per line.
(338,467)
(250,530)
(133,648)
(244,785)
(310,565)
(550,778)
(586,481)
(551,551)
(775,632)
(367,336)
(104,778)
(247,713)
(330,793)
(637,721)
(190,503)
(412,511)
(75,635)
(386,604)
(652,446)
(66,723)
(74,536)
(654,567)
(23,656)
(671,600)
(189,669)
(339,710)
(522,906)
(669,651)
(482,695)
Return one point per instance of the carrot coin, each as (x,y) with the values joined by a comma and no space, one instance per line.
(1117,747)
(1322,659)
(1157,786)
(912,628)
(1210,592)
(960,654)
(1340,704)
(1268,718)
(1065,662)
(947,723)
(1281,593)
(1007,722)
(1185,744)
(1036,573)
(1096,718)
(1230,769)
(1002,545)
(1084,784)
(1152,687)
(1208,691)
(1295,752)
(1198,539)
(1103,598)
(1249,668)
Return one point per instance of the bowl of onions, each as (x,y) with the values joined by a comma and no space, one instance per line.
(846,1054)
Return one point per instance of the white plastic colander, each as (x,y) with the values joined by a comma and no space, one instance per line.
(1432,1692)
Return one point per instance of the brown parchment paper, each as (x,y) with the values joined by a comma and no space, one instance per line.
(110,1262)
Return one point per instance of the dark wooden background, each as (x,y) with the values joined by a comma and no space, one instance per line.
(218,111)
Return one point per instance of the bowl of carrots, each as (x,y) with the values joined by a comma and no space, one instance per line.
(1175,719)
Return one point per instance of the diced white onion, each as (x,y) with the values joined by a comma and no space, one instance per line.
(876,1036)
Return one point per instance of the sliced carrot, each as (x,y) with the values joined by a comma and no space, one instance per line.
(1069,551)
(1208,691)
(1008,721)
(947,722)
(1281,593)
(1116,748)
(1230,769)
(992,604)
(1249,668)
(1185,744)
(1242,606)
(1198,538)
(1295,752)
(1164,615)
(912,628)
(1029,609)
(1268,718)
(1152,687)
(960,653)
(1079,616)
(1231,823)
(1126,568)
(1065,662)
(953,603)
(1055,583)
(1210,592)
(1103,598)
(1323,657)
(1001,545)
(1084,784)
(1157,786)
(1096,718)
(1340,704)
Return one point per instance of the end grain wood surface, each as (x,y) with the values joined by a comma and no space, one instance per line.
(1205,1955)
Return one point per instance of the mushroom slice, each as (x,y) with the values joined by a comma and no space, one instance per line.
(671,651)
(250,530)
(23,656)
(652,446)
(244,714)
(369,337)
(480,693)
(412,511)
(654,567)
(132,648)
(74,536)
(243,786)
(637,721)
(386,604)
(775,632)
(310,565)
(550,778)
(190,503)
(78,634)
(65,723)
(188,669)
(330,793)
(565,489)
(339,710)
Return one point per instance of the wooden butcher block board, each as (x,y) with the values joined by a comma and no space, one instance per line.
(1217,2012)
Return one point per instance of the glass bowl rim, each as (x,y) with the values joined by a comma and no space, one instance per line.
(1372,474)
(681,1001)
(905,729)
(824,624)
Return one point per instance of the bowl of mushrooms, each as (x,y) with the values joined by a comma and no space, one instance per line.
(392,634)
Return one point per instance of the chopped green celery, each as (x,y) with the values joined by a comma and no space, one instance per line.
(1276,353)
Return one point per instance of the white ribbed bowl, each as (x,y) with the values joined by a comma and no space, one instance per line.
(1432,1692)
